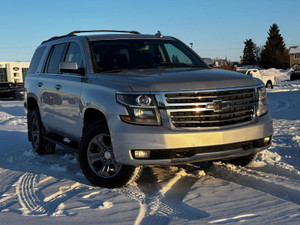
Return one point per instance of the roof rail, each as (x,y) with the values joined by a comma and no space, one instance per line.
(57,37)
(73,33)
(95,31)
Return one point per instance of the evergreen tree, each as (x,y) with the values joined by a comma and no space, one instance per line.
(257,52)
(249,57)
(274,53)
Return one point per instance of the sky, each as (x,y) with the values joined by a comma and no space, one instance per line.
(217,28)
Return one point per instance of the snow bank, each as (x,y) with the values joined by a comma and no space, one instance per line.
(281,75)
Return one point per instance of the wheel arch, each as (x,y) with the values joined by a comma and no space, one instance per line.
(269,82)
(92,115)
(31,103)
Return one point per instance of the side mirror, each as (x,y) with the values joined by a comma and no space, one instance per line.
(71,67)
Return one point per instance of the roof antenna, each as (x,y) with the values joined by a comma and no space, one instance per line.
(159,34)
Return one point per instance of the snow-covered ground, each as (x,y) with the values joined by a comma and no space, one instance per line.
(52,189)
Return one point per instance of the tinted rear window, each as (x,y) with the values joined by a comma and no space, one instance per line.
(36,59)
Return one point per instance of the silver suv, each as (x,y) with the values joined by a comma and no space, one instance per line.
(128,100)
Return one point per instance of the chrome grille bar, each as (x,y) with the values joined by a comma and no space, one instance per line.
(210,108)
(169,99)
(212,121)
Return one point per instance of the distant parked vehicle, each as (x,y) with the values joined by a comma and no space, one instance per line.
(12,90)
(295,75)
(269,80)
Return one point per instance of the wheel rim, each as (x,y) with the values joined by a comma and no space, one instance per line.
(101,158)
(35,132)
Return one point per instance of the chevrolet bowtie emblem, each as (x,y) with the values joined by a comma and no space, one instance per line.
(217,105)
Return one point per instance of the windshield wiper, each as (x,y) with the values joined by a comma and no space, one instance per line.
(175,65)
(162,65)
(114,70)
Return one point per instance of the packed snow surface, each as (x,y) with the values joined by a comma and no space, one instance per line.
(52,189)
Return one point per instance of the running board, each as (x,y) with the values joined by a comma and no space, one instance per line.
(68,145)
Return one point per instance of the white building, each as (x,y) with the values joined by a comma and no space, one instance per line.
(14,72)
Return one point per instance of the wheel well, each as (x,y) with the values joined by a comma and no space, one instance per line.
(91,116)
(31,104)
(269,82)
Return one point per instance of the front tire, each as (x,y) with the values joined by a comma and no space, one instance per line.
(36,132)
(97,159)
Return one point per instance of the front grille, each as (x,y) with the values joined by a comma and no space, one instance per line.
(210,108)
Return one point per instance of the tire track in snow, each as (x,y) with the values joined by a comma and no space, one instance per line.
(284,105)
(7,190)
(7,178)
(55,203)
(162,200)
(26,192)
(278,171)
(279,186)
(34,203)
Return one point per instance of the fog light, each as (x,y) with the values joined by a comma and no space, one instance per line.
(267,140)
(141,154)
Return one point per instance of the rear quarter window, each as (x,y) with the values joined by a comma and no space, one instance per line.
(36,58)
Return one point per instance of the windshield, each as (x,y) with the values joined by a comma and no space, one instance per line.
(118,55)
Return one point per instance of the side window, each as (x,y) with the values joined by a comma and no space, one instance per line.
(74,54)
(36,60)
(55,58)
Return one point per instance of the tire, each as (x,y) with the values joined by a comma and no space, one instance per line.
(18,94)
(241,161)
(269,85)
(97,159)
(36,131)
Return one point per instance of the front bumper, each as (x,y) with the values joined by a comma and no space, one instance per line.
(183,146)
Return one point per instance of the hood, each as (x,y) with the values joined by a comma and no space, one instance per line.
(179,79)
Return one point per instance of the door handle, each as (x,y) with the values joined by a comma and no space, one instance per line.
(57,87)
(40,84)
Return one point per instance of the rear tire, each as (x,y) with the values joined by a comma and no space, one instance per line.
(36,132)
(269,85)
(97,159)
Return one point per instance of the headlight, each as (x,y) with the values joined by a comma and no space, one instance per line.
(262,107)
(142,109)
